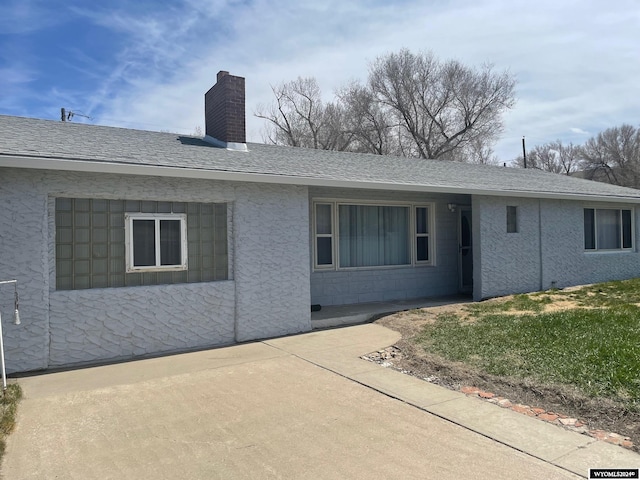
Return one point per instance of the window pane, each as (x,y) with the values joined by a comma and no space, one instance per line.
(422,254)
(63,204)
(373,235)
(422,220)
(144,243)
(608,229)
(170,242)
(324,251)
(323,218)
(589,229)
(626,229)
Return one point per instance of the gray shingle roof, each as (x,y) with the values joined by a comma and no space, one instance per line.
(51,141)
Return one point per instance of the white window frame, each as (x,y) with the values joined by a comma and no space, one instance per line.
(619,209)
(157,217)
(412,234)
(331,235)
(428,235)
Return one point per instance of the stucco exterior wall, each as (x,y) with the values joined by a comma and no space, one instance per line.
(504,262)
(341,287)
(65,328)
(114,323)
(565,261)
(23,257)
(272,261)
(548,250)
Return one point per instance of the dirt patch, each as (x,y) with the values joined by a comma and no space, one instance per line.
(406,356)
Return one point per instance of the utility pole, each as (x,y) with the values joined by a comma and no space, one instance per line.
(524,153)
(67,116)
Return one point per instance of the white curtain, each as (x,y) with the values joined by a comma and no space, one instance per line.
(373,235)
(608,229)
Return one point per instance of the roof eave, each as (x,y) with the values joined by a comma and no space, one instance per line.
(40,163)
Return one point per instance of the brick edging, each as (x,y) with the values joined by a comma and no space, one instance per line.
(554,418)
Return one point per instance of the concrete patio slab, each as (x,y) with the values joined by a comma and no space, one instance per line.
(341,361)
(359,339)
(535,437)
(406,388)
(278,417)
(141,370)
(293,407)
(599,455)
(342,315)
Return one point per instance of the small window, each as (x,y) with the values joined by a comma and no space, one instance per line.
(512,219)
(324,234)
(607,229)
(156,242)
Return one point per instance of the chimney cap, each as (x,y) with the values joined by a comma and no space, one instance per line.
(221,73)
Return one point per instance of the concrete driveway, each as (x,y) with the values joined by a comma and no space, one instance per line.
(273,409)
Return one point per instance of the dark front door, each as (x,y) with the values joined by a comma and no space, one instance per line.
(465,261)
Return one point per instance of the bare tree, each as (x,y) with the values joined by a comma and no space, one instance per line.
(554,157)
(300,118)
(613,156)
(365,120)
(480,151)
(296,116)
(332,134)
(412,105)
(441,106)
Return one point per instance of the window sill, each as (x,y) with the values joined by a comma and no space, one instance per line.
(609,252)
(374,268)
(178,268)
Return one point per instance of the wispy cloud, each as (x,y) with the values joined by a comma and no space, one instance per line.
(20,17)
(147,64)
(579,131)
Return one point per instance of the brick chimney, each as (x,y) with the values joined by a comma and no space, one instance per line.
(224,112)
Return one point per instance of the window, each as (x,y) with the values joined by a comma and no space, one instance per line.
(369,235)
(91,241)
(422,234)
(372,235)
(324,235)
(512,219)
(156,241)
(607,229)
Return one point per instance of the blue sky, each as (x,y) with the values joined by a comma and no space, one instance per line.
(146,64)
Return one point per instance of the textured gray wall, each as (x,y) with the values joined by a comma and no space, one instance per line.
(504,262)
(272,266)
(23,256)
(547,251)
(260,299)
(114,323)
(339,287)
(565,260)
(268,292)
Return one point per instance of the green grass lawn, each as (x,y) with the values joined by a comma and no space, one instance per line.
(594,347)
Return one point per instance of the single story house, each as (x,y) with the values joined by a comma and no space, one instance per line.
(129,243)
